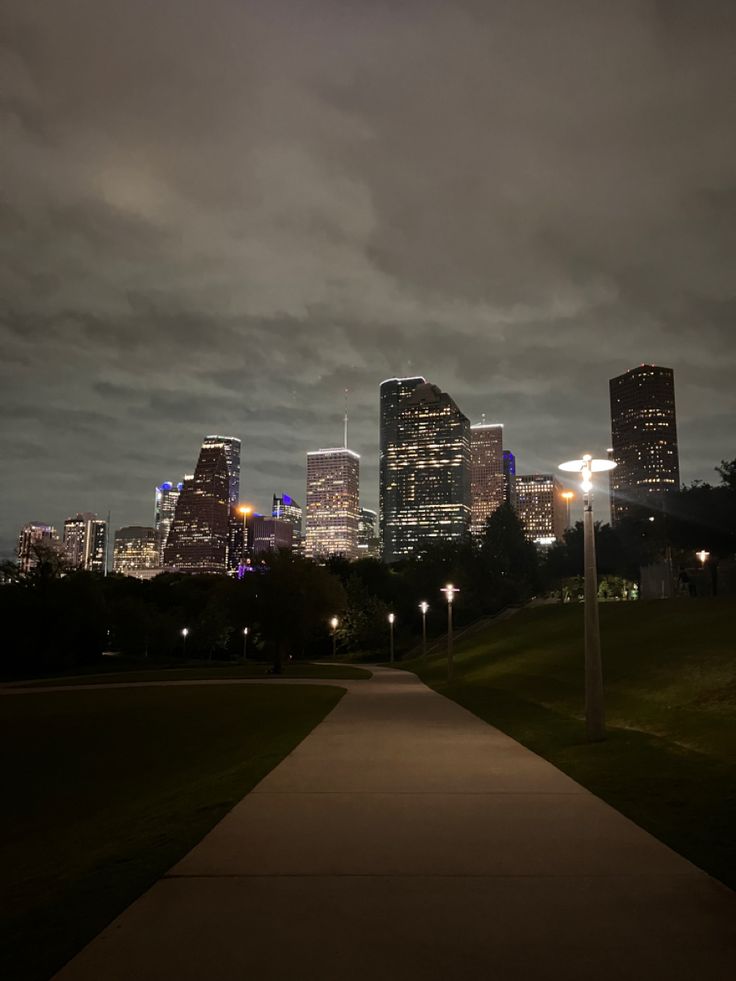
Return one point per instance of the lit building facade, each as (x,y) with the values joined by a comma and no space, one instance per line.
(541,507)
(85,542)
(269,534)
(426,472)
(369,544)
(509,477)
(198,538)
(487,488)
(287,509)
(164,509)
(333,503)
(33,534)
(392,394)
(231,447)
(136,551)
(643,438)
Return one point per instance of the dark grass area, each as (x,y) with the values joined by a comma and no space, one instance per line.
(104,790)
(669,762)
(199,672)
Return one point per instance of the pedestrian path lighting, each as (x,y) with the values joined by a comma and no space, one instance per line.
(424,606)
(245,510)
(245,643)
(391,619)
(703,556)
(184,634)
(567,496)
(334,623)
(449,590)
(595,719)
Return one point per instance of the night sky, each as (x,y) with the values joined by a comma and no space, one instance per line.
(217,215)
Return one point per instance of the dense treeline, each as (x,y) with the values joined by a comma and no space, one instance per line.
(53,621)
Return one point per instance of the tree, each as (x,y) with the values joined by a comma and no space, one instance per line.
(508,562)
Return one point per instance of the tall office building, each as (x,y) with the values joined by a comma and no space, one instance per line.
(369,544)
(426,471)
(136,552)
(333,503)
(486,473)
(198,537)
(643,438)
(541,507)
(231,448)
(509,477)
(286,508)
(85,542)
(164,509)
(32,534)
(392,394)
(269,534)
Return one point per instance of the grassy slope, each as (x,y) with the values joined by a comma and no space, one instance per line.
(299,669)
(103,791)
(669,762)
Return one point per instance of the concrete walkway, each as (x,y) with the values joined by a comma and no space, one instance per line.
(406,839)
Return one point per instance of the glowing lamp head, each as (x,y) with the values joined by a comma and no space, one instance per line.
(334,622)
(245,631)
(245,509)
(185,631)
(586,467)
(424,606)
(449,591)
(567,495)
(391,618)
(703,556)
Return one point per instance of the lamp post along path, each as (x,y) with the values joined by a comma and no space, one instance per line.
(449,590)
(595,718)
(424,606)
(391,619)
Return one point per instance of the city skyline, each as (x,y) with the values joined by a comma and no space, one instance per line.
(228,251)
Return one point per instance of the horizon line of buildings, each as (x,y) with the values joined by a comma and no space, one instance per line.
(440,477)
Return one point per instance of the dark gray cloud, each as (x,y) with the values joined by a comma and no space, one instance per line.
(216,216)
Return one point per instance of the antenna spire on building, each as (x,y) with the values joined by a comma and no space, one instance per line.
(345,444)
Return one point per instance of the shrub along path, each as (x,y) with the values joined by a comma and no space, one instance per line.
(405,838)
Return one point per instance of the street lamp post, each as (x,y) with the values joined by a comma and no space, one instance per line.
(567,496)
(424,606)
(334,622)
(245,643)
(391,619)
(245,511)
(185,634)
(595,719)
(449,591)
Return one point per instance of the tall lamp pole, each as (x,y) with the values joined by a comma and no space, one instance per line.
(391,619)
(334,622)
(567,496)
(185,634)
(245,511)
(595,717)
(245,643)
(424,606)
(449,591)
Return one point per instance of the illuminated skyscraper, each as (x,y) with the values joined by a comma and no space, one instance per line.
(198,537)
(333,503)
(393,392)
(509,477)
(643,438)
(541,507)
(231,447)
(426,472)
(486,473)
(268,534)
(136,552)
(286,508)
(164,509)
(85,542)
(369,544)
(32,534)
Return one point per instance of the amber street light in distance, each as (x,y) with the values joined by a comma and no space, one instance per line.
(245,510)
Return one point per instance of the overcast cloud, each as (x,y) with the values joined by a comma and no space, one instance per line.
(215,216)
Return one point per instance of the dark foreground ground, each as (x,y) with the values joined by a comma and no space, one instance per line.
(104,790)
(669,762)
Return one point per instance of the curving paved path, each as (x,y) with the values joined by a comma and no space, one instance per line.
(406,839)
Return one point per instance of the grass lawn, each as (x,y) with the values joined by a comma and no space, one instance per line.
(669,762)
(104,790)
(198,672)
